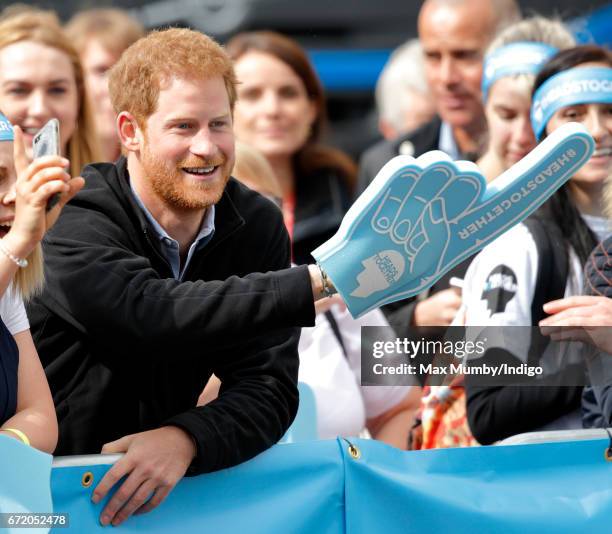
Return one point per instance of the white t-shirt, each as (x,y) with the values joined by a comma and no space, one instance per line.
(343,405)
(508,268)
(12,312)
(510,263)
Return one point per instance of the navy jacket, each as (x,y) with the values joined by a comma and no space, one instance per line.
(9,364)
(321,201)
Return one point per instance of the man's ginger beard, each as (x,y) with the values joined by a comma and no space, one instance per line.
(170,183)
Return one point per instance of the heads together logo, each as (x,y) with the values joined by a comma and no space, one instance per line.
(500,288)
(380,272)
(570,87)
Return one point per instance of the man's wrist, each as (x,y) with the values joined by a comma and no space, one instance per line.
(321,285)
(316,282)
(328,287)
(188,436)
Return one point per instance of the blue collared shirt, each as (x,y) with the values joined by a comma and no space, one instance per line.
(447,142)
(170,247)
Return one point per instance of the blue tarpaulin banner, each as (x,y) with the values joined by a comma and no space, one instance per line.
(289,488)
(24,483)
(538,488)
(321,487)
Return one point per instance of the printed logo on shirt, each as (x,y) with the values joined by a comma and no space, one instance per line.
(500,288)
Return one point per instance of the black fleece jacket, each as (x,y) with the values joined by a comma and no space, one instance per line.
(128,348)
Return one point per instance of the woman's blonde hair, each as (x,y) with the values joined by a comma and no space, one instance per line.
(43,27)
(252,168)
(114,28)
(29,281)
(534,29)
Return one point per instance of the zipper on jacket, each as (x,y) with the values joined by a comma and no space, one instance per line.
(157,252)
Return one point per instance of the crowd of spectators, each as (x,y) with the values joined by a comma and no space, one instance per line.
(178,304)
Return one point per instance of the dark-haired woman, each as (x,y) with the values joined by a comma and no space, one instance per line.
(281,112)
(501,282)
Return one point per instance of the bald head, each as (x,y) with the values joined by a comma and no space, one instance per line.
(455,35)
(502,13)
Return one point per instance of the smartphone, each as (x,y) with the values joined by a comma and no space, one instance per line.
(47,143)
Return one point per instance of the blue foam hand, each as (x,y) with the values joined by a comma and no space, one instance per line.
(420,217)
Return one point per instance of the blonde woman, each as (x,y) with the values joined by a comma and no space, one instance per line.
(26,407)
(41,78)
(101,35)
(510,67)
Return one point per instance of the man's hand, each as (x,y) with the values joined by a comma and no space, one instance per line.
(438,310)
(582,318)
(154,462)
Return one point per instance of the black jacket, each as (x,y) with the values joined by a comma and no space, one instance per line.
(128,348)
(496,412)
(321,201)
(423,139)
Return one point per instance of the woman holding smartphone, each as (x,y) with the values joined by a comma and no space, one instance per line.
(26,407)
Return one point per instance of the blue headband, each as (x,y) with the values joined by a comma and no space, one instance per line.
(524,57)
(6,129)
(580,85)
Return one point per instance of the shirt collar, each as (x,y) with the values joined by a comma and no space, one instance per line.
(170,246)
(206,228)
(447,142)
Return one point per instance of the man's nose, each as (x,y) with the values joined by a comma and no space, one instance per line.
(203,145)
(449,71)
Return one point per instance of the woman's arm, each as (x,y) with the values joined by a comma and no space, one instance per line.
(35,415)
(393,426)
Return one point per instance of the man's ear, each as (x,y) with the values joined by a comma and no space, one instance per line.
(130,134)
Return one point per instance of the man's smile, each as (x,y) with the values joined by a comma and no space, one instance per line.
(201,171)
